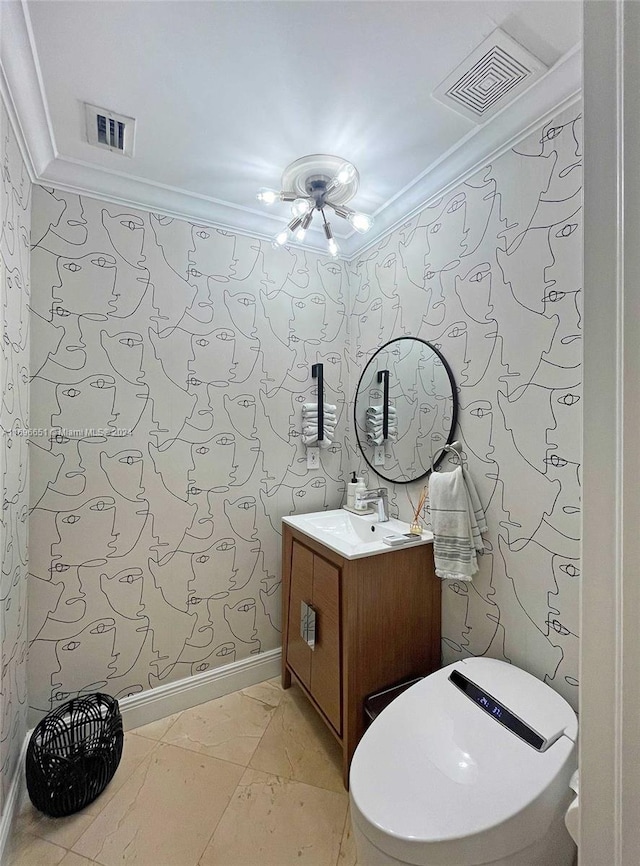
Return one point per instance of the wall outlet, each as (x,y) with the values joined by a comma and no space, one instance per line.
(378,455)
(313,458)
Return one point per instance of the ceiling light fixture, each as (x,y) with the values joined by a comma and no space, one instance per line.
(316,183)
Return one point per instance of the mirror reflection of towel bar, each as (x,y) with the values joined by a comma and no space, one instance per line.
(383,376)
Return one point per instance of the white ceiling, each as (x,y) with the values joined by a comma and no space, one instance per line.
(226,93)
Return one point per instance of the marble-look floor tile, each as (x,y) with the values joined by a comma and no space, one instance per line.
(230,727)
(59,831)
(270,692)
(165,812)
(298,745)
(28,850)
(348,854)
(73,859)
(155,730)
(66,831)
(273,821)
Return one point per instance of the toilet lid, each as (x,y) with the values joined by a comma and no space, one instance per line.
(435,769)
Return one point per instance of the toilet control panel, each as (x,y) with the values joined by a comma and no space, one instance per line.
(498,711)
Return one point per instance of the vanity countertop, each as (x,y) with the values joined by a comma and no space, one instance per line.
(354,536)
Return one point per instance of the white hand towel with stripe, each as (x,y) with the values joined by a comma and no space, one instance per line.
(457,520)
(476,513)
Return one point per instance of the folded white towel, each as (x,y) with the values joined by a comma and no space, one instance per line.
(313,422)
(313,431)
(378,438)
(313,440)
(328,416)
(378,419)
(379,410)
(314,412)
(311,407)
(452,518)
(376,427)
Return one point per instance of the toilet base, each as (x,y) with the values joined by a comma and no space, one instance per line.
(556,848)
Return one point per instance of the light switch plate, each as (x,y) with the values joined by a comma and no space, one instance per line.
(313,458)
(378,455)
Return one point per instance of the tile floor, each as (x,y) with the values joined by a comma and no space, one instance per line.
(251,779)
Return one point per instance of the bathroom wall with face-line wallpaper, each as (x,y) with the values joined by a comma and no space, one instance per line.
(15,220)
(491,274)
(169,362)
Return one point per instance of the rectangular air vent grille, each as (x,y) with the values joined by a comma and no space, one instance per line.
(478,87)
(109,130)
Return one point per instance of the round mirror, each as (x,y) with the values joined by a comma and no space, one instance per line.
(411,378)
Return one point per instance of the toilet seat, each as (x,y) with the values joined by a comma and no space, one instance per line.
(436,780)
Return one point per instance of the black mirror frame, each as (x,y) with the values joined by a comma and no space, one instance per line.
(454,419)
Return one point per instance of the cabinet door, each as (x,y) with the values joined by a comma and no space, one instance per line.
(325,659)
(298,651)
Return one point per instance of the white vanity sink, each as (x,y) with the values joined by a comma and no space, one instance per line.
(351,535)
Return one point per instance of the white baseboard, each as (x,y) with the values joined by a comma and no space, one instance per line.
(149,706)
(13,803)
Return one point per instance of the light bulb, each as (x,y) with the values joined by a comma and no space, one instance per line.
(360,221)
(281,238)
(345,173)
(333,247)
(268,196)
(300,234)
(301,206)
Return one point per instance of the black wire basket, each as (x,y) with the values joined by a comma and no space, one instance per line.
(73,753)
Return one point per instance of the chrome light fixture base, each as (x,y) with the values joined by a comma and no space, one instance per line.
(319,167)
(313,183)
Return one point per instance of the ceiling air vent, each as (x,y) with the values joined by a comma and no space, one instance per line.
(490,77)
(109,130)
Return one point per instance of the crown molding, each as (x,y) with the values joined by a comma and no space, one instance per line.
(558,89)
(22,88)
(22,91)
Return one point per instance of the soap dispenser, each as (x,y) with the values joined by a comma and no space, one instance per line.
(360,488)
(351,491)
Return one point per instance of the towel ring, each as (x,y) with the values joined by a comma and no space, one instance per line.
(454,449)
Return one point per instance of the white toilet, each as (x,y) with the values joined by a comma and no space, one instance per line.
(469,766)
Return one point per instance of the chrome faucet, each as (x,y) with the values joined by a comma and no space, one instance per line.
(379,496)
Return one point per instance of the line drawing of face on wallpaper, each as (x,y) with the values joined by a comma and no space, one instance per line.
(124,472)
(86,404)
(241,514)
(76,659)
(215,472)
(125,351)
(126,235)
(100,270)
(84,533)
(241,618)
(213,253)
(241,308)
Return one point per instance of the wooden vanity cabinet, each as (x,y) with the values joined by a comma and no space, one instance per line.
(377,622)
